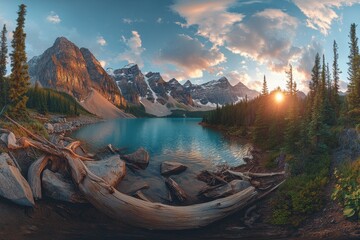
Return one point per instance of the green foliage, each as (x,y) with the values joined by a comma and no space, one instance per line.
(137,111)
(19,78)
(3,62)
(47,100)
(354,70)
(347,189)
(302,194)
(188,114)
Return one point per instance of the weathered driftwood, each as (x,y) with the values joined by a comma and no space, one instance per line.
(239,174)
(224,190)
(169,168)
(60,188)
(153,215)
(251,174)
(218,192)
(34,175)
(140,195)
(139,158)
(146,214)
(13,185)
(176,190)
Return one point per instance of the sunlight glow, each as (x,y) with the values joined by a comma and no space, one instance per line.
(279,97)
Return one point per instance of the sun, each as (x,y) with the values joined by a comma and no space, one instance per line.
(279,97)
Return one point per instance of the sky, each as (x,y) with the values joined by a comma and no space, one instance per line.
(199,40)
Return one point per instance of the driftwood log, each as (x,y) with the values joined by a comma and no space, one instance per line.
(135,211)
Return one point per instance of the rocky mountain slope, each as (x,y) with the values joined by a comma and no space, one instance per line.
(152,91)
(67,68)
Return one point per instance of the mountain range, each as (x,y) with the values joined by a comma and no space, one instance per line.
(76,71)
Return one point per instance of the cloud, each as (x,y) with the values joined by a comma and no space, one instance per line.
(101,41)
(53,18)
(134,51)
(267,38)
(159,20)
(321,13)
(211,17)
(306,61)
(235,77)
(190,56)
(131,21)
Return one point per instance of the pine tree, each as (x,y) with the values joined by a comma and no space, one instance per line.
(290,80)
(265,90)
(354,68)
(336,73)
(19,78)
(291,130)
(3,62)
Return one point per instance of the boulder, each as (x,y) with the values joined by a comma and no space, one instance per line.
(49,127)
(13,185)
(169,168)
(112,169)
(239,185)
(10,140)
(56,186)
(139,158)
(60,188)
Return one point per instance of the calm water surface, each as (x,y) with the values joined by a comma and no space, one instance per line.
(166,139)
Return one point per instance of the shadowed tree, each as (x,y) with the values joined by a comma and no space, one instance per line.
(19,78)
(354,70)
(265,90)
(3,62)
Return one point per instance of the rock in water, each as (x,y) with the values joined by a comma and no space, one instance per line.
(60,188)
(13,185)
(169,168)
(176,190)
(139,158)
(112,169)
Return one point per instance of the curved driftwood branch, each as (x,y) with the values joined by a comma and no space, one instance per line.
(152,215)
(34,175)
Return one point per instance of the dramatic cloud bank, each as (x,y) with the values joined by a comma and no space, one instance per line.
(321,13)
(191,56)
(134,51)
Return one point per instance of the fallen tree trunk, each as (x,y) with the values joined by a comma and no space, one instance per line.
(153,215)
(141,213)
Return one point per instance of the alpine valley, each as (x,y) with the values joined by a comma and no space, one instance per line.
(68,68)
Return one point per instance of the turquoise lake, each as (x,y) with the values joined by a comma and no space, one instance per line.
(166,139)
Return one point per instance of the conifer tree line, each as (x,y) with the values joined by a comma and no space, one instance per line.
(46,100)
(297,123)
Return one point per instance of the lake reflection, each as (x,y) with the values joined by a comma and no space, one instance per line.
(178,139)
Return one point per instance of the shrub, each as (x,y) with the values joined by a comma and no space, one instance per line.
(347,189)
(302,194)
